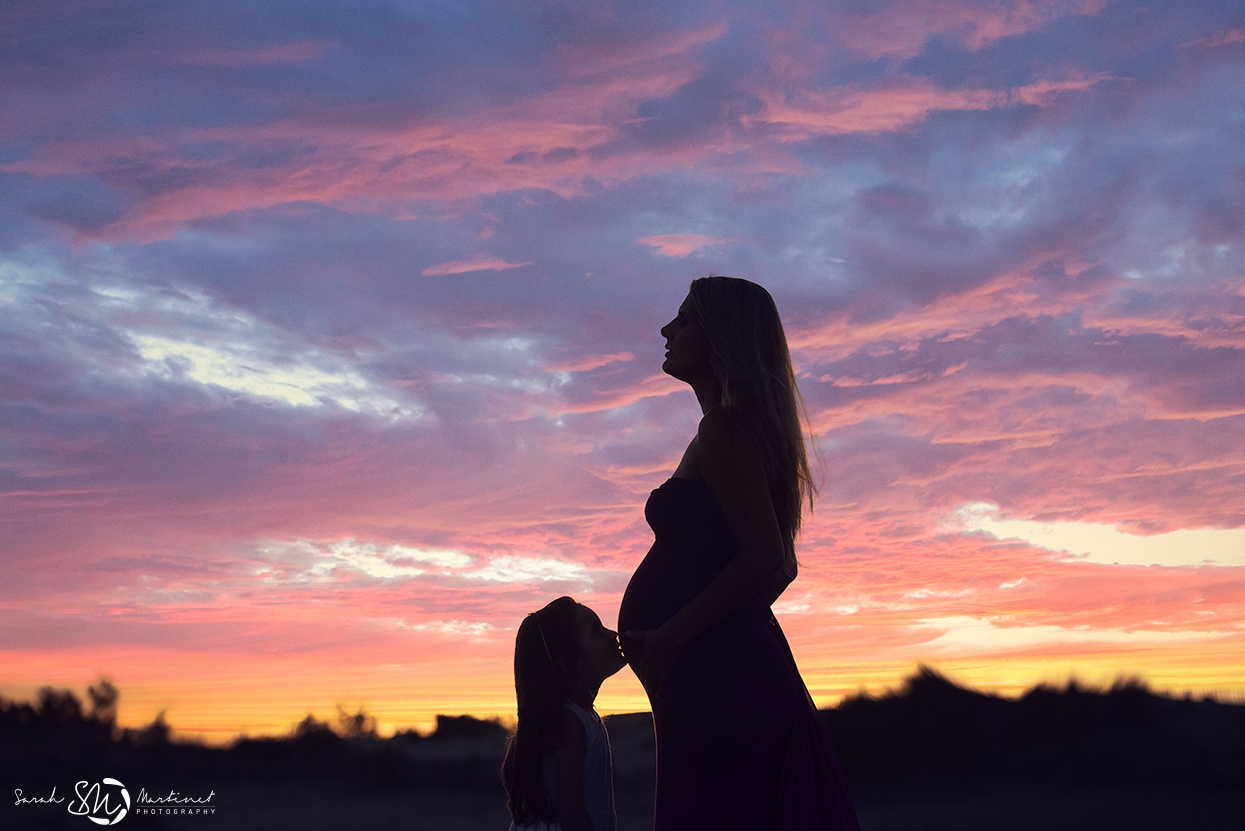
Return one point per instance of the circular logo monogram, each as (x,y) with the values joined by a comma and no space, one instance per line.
(104,803)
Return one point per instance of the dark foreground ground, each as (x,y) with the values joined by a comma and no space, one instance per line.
(898,806)
(933,756)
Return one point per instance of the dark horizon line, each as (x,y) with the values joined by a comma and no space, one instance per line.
(364,723)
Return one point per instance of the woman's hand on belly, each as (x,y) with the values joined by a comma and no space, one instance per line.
(659,653)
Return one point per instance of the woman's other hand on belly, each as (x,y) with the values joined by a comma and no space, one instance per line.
(658,654)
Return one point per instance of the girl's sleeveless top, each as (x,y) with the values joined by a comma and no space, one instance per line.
(598,776)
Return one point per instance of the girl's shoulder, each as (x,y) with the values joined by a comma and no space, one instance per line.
(570,732)
(571,725)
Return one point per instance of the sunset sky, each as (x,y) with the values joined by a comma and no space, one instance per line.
(329,336)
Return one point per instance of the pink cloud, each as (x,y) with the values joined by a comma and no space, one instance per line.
(903,29)
(1223,38)
(679,245)
(468,266)
(898,105)
(589,362)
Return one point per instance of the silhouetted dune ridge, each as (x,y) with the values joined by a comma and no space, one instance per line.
(1073,734)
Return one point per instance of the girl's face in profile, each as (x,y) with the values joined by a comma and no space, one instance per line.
(599,653)
(687,347)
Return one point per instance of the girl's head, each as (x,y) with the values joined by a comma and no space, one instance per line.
(747,354)
(561,651)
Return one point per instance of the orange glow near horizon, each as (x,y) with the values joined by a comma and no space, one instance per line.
(268,697)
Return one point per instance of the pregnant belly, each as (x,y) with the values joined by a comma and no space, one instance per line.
(663,583)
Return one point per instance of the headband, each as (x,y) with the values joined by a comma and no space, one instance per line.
(541,629)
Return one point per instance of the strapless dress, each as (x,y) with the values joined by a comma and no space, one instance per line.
(739,742)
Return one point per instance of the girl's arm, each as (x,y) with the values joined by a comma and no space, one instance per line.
(732,468)
(569,756)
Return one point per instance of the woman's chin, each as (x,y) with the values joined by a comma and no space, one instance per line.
(672,370)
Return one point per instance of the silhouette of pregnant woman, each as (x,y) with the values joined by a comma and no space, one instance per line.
(739,742)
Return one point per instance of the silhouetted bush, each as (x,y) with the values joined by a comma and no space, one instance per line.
(156,734)
(929,723)
(450,728)
(309,725)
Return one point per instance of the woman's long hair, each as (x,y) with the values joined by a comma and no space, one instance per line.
(750,358)
(541,685)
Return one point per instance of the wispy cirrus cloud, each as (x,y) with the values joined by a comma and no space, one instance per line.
(679,245)
(468,266)
(1224,38)
(902,102)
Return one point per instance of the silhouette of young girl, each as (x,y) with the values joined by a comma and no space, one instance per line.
(739,742)
(557,769)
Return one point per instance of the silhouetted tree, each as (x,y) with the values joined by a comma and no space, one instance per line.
(104,697)
(356,725)
(310,725)
(59,708)
(153,735)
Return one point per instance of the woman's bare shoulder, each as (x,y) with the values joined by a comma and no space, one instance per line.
(723,439)
(720,427)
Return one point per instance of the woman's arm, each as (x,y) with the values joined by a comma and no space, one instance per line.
(569,756)
(732,468)
(779,582)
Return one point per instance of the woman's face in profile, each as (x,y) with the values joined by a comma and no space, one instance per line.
(687,347)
